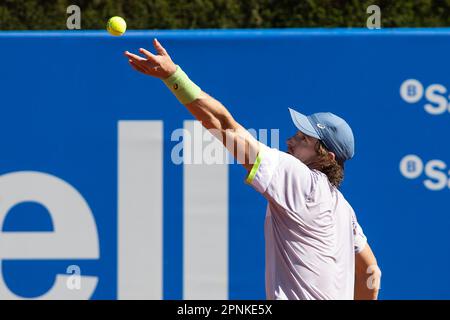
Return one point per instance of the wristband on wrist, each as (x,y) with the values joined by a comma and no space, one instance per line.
(182,87)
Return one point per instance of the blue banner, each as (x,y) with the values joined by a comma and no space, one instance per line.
(102,196)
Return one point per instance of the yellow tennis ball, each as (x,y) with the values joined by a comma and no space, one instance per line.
(116,26)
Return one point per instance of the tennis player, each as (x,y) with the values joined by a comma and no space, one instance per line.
(315,248)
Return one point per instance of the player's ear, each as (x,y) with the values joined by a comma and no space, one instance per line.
(331,155)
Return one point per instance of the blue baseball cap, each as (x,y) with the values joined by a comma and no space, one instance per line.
(332,130)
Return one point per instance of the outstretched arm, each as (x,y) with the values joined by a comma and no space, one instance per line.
(210,112)
(367,275)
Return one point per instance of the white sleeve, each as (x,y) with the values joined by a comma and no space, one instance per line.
(281,178)
(359,236)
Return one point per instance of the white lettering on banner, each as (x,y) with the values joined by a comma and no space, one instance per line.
(205,207)
(140,205)
(438,178)
(411,166)
(412,91)
(433,170)
(74,237)
(434,94)
(140,219)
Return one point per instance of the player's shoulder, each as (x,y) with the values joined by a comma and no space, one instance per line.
(343,200)
(282,159)
(289,160)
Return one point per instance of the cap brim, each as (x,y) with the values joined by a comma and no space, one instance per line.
(302,123)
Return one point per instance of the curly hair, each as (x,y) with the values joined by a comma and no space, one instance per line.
(332,168)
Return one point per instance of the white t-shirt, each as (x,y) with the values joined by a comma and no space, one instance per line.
(311,231)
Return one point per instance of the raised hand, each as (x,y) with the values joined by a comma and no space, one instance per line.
(159,65)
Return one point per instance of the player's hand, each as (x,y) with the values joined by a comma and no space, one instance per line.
(159,65)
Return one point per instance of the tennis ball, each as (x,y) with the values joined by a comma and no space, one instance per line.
(116,26)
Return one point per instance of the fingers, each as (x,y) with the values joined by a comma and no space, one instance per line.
(150,56)
(136,67)
(136,61)
(133,56)
(159,48)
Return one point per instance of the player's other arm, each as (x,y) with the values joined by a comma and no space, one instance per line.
(210,112)
(367,275)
